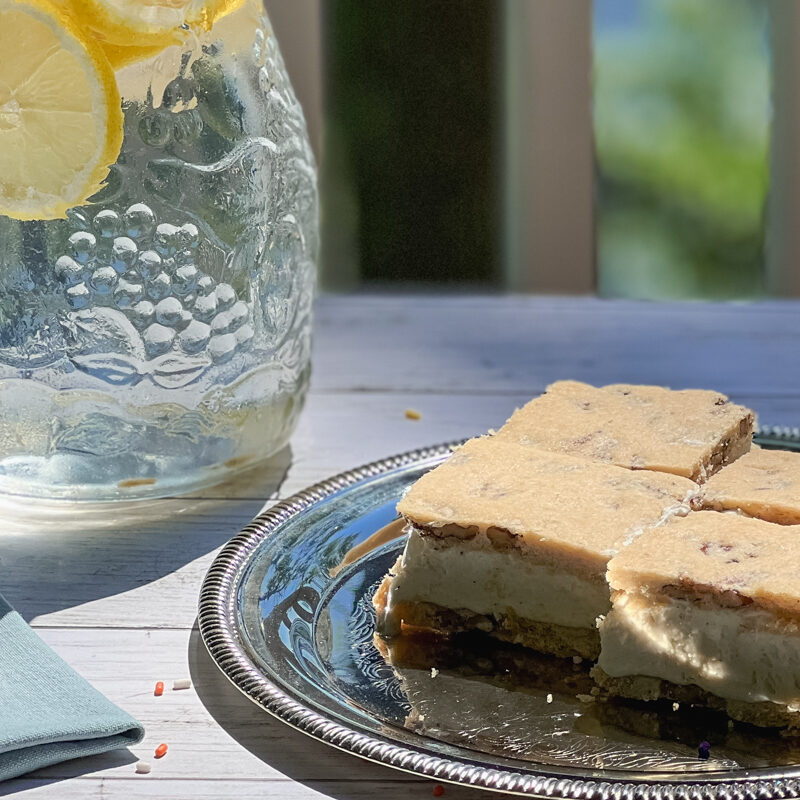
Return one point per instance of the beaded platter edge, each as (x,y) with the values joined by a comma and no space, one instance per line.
(218,628)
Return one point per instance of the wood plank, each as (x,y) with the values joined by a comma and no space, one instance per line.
(145,787)
(212,730)
(468,344)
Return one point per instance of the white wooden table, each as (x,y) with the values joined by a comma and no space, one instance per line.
(114,593)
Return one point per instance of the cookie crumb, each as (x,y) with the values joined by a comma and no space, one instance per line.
(676,706)
(434,672)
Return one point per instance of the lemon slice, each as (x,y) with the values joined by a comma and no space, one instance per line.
(60,113)
(204,13)
(143,23)
(120,56)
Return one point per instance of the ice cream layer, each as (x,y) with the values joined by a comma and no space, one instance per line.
(743,653)
(471,575)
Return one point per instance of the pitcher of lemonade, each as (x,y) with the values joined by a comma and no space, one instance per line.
(158,237)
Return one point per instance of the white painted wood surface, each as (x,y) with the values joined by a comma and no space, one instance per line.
(114,591)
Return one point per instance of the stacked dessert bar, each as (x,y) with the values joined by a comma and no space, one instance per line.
(631,525)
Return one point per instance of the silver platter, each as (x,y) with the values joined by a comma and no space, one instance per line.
(285,613)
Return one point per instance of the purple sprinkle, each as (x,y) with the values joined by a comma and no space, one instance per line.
(704,750)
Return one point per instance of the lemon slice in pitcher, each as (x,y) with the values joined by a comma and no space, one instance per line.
(143,23)
(143,39)
(204,13)
(60,114)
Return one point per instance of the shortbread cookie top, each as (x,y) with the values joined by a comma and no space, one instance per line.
(762,483)
(714,558)
(692,432)
(570,507)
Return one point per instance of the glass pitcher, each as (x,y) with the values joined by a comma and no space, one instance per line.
(158,237)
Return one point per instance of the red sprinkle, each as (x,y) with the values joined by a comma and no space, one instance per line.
(438,790)
(161,751)
(159,690)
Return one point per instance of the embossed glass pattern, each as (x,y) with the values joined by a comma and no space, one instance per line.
(285,611)
(158,338)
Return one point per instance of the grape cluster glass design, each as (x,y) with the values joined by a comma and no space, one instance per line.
(176,320)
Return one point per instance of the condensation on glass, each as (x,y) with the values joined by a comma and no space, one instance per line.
(158,338)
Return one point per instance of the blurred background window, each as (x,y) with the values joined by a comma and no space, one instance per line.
(633,148)
(681,121)
(414,106)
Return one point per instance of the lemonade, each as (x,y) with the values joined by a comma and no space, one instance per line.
(158,235)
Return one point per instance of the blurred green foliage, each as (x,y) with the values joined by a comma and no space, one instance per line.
(682,108)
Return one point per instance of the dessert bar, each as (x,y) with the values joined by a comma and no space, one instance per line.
(763,484)
(706,610)
(692,433)
(515,541)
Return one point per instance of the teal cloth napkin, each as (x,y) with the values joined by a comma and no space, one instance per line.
(48,713)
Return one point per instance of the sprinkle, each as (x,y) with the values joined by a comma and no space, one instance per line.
(438,790)
(549,698)
(577,660)
(143,767)
(704,750)
(412,414)
(159,690)
(161,750)
(676,706)
(434,672)
(181,683)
